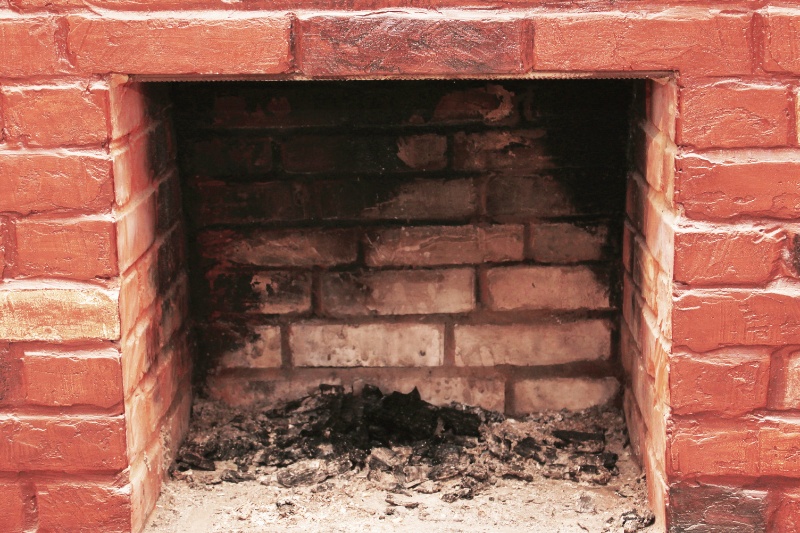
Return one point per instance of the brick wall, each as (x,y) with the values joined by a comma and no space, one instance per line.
(462,238)
(724,368)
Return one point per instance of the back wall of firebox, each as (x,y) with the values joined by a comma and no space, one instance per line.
(459,237)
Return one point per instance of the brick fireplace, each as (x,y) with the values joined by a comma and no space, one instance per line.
(95,333)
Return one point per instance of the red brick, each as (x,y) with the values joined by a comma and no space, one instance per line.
(562,242)
(58,378)
(544,287)
(713,447)
(181,44)
(43,182)
(399,292)
(256,346)
(733,114)
(444,245)
(732,381)
(532,344)
(28,47)
(779,447)
(34,312)
(492,104)
(712,507)
(235,157)
(533,395)
(520,197)
(95,505)
(65,444)
(146,474)
(12,507)
(781,40)
(412,44)
(727,255)
(787,514)
(382,345)
(267,292)
(261,247)
(704,319)
(364,154)
(435,385)
(58,115)
(136,231)
(82,248)
(729,184)
(685,39)
(247,203)
(502,150)
(393,199)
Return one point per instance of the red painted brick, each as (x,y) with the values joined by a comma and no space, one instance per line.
(781,40)
(678,39)
(58,378)
(399,292)
(129,108)
(711,507)
(78,249)
(136,231)
(727,255)
(732,381)
(787,514)
(663,106)
(28,47)
(532,344)
(95,505)
(181,44)
(412,44)
(444,245)
(5,244)
(65,444)
(376,345)
(544,287)
(34,181)
(12,507)
(58,115)
(705,319)
(779,446)
(133,170)
(325,247)
(728,184)
(734,114)
(785,386)
(34,312)
(713,447)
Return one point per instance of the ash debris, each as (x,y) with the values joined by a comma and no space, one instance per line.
(399,443)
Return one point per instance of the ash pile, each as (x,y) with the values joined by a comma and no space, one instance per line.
(396,441)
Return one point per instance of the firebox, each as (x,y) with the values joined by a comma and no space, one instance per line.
(462,238)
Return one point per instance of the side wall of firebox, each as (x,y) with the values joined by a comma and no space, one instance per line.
(463,238)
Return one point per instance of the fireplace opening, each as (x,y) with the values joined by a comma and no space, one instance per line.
(490,243)
(460,237)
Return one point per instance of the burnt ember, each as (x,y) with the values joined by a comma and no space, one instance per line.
(398,441)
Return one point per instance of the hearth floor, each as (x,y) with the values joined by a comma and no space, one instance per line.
(550,472)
